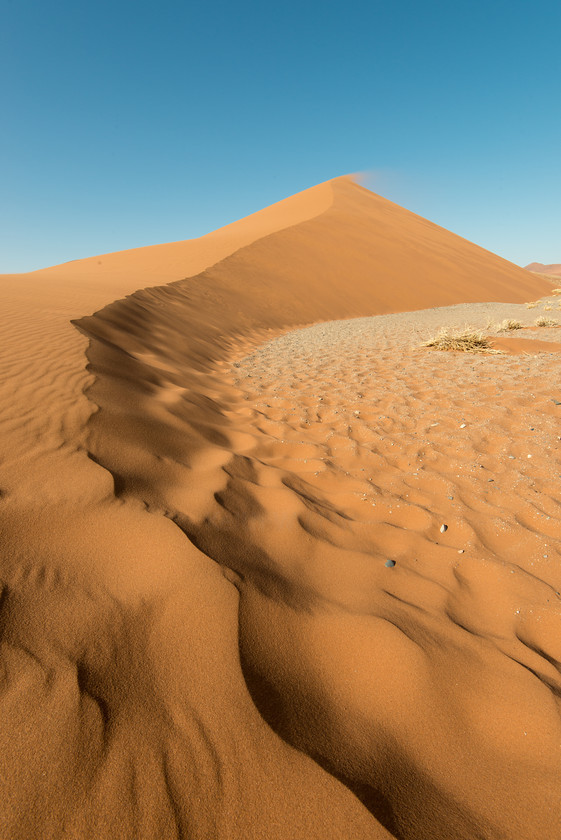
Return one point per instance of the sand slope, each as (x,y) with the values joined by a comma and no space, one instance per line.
(199,633)
(540,268)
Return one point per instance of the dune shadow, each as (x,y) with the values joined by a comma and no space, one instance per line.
(270,706)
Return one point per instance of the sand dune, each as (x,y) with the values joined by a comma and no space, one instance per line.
(270,569)
(540,268)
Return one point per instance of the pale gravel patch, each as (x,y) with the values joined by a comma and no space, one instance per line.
(272,360)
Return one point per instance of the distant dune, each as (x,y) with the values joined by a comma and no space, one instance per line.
(269,567)
(540,268)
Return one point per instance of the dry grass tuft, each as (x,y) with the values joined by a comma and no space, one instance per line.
(509,324)
(542,321)
(556,291)
(548,308)
(532,304)
(468,341)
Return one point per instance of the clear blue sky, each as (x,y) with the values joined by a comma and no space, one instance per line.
(134,123)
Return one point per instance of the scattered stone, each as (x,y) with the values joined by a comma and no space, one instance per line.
(390,563)
(443,529)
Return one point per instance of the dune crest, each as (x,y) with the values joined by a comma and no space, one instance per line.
(258,584)
(540,268)
(42,372)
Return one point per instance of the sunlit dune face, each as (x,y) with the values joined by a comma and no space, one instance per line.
(268,581)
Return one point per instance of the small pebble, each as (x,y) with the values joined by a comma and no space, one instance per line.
(443,529)
(390,563)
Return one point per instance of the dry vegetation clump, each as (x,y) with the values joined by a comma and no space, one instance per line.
(533,304)
(467,341)
(548,308)
(556,291)
(542,321)
(509,324)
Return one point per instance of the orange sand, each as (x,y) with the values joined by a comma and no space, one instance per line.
(540,268)
(202,634)
(523,345)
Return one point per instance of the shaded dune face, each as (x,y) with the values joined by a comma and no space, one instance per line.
(123,708)
(429,688)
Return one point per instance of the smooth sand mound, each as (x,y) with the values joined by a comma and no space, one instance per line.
(540,268)
(515,346)
(234,603)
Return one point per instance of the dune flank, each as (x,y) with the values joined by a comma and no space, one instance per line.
(540,268)
(270,568)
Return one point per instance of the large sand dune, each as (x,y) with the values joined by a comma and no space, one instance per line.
(540,268)
(263,579)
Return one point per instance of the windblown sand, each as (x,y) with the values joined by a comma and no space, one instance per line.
(267,580)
